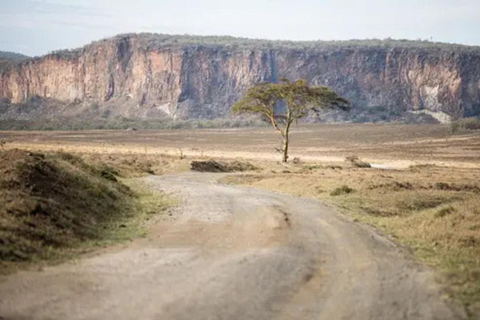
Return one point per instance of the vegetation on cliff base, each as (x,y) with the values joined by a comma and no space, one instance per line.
(466,124)
(125,124)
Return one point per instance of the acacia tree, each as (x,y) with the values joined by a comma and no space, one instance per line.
(299,100)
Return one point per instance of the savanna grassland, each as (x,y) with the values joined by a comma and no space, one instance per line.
(397,145)
(422,188)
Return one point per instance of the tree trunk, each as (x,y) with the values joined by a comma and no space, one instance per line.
(286,135)
(285,149)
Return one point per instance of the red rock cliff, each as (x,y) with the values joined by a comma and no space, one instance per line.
(157,75)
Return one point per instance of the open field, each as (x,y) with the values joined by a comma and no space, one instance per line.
(423,190)
(395,145)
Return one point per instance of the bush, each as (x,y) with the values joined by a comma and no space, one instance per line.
(341,190)
(214,166)
(356,162)
(465,124)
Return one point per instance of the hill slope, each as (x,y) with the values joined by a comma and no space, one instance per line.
(6,55)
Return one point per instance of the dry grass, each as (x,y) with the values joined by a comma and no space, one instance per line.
(56,205)
(434,210)
(135,164)
(397,145)
(431,204)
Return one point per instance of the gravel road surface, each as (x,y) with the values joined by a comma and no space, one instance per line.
(230,252)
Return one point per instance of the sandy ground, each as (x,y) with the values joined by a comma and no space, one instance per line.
(235,253)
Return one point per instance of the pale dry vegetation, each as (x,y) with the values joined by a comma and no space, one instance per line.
(130,165)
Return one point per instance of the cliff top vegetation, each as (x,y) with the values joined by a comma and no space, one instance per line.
(155,41)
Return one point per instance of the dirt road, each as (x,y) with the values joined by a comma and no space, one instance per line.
(235,253)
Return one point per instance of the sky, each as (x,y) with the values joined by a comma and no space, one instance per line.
(36,27)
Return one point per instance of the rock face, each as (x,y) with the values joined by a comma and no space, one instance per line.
(145,75)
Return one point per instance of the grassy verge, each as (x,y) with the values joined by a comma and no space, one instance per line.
(433,210)
(56,206)
(136,165)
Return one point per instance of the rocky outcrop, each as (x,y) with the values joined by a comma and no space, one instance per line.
(145,75)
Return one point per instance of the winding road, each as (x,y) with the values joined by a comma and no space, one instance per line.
(230,252)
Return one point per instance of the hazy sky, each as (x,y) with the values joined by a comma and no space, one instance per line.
(35,27)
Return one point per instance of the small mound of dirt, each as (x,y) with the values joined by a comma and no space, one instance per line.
(214,166)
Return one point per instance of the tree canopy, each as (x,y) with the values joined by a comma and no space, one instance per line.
(298,98)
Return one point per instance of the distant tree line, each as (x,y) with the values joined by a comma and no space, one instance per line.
(5,55)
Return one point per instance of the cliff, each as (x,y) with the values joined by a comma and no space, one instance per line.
(149,75)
